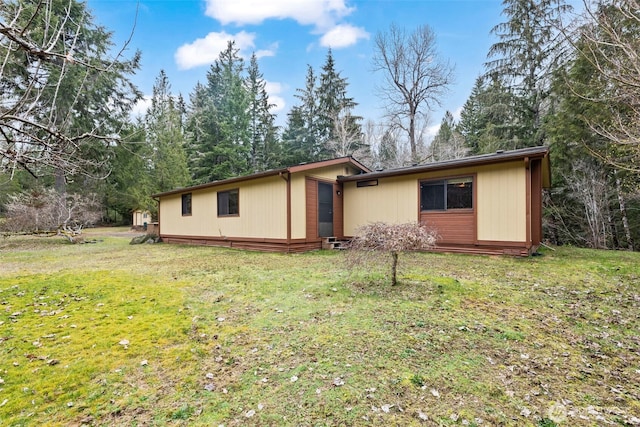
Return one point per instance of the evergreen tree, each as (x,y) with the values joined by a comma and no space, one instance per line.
(130,184)
(265,152)
(448,143)
(62,97)
(301,138)
(591,194)
(339,131)
(165,135)
(219,139)
(526,54)
(489,121)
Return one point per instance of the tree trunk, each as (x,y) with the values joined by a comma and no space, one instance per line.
(623,210)
(394,268)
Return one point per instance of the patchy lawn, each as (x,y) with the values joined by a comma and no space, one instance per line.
(113,334)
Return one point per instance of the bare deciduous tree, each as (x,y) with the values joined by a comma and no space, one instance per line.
(58,93)
(415,77)
(611,44)
(373,239)
(47,211)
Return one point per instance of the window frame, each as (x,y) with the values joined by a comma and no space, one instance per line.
(445,184)
(187,204)
(228,204)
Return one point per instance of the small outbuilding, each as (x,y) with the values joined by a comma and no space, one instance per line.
(484,204)
(141,218)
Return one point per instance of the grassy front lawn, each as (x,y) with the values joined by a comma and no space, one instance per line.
(113,334)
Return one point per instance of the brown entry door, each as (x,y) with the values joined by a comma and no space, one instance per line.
(325,209)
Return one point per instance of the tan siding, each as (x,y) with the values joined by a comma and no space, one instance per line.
(502,205)
(393,200)
(298,208)
(262,212)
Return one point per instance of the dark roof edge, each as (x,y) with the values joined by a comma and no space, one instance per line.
(292,169)
(482,159)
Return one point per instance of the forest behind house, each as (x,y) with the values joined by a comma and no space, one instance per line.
(70,149)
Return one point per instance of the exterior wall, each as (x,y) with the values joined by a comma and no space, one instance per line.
(262,207)
(393,200)
(500,212)
(502,203)
(299,197)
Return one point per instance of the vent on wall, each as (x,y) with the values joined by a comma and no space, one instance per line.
(369,183)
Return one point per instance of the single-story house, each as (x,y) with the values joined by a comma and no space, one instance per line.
(489,203)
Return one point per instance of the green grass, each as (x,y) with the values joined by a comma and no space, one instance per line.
(219,336)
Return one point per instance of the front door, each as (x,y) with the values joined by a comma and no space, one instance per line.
(325,209)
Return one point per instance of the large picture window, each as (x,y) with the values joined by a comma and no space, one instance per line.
(446,194)
(228,203)
(186,204)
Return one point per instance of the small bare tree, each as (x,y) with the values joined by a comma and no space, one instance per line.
(373,239)
(415,77)
(46,211)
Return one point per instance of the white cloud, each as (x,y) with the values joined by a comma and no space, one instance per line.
(205,51)
(320,13)
(457,113)
(273,90)
(141,107)
(432,131)
(342,36)
(271,51)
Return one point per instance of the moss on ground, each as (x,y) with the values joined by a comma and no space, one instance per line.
(113,334)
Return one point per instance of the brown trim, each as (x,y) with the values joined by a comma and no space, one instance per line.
(325,163)
(456,226)
(338,210)
(536,202)
(527,164)
(298,168)
(257,244)
(218,200)
(311,208)
(182,198)
(288,179)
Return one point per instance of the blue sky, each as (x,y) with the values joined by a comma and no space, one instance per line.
(184,37)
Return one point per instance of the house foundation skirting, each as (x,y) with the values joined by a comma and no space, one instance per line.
(303,245)
(264,245)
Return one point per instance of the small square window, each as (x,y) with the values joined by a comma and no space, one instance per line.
(186,204)
(229,202)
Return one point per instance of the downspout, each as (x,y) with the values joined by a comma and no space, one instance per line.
(287,177)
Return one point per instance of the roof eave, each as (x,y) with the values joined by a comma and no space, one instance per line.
(486,159)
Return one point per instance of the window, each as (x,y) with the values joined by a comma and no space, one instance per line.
(186,204)
(446,194)
(228,203)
